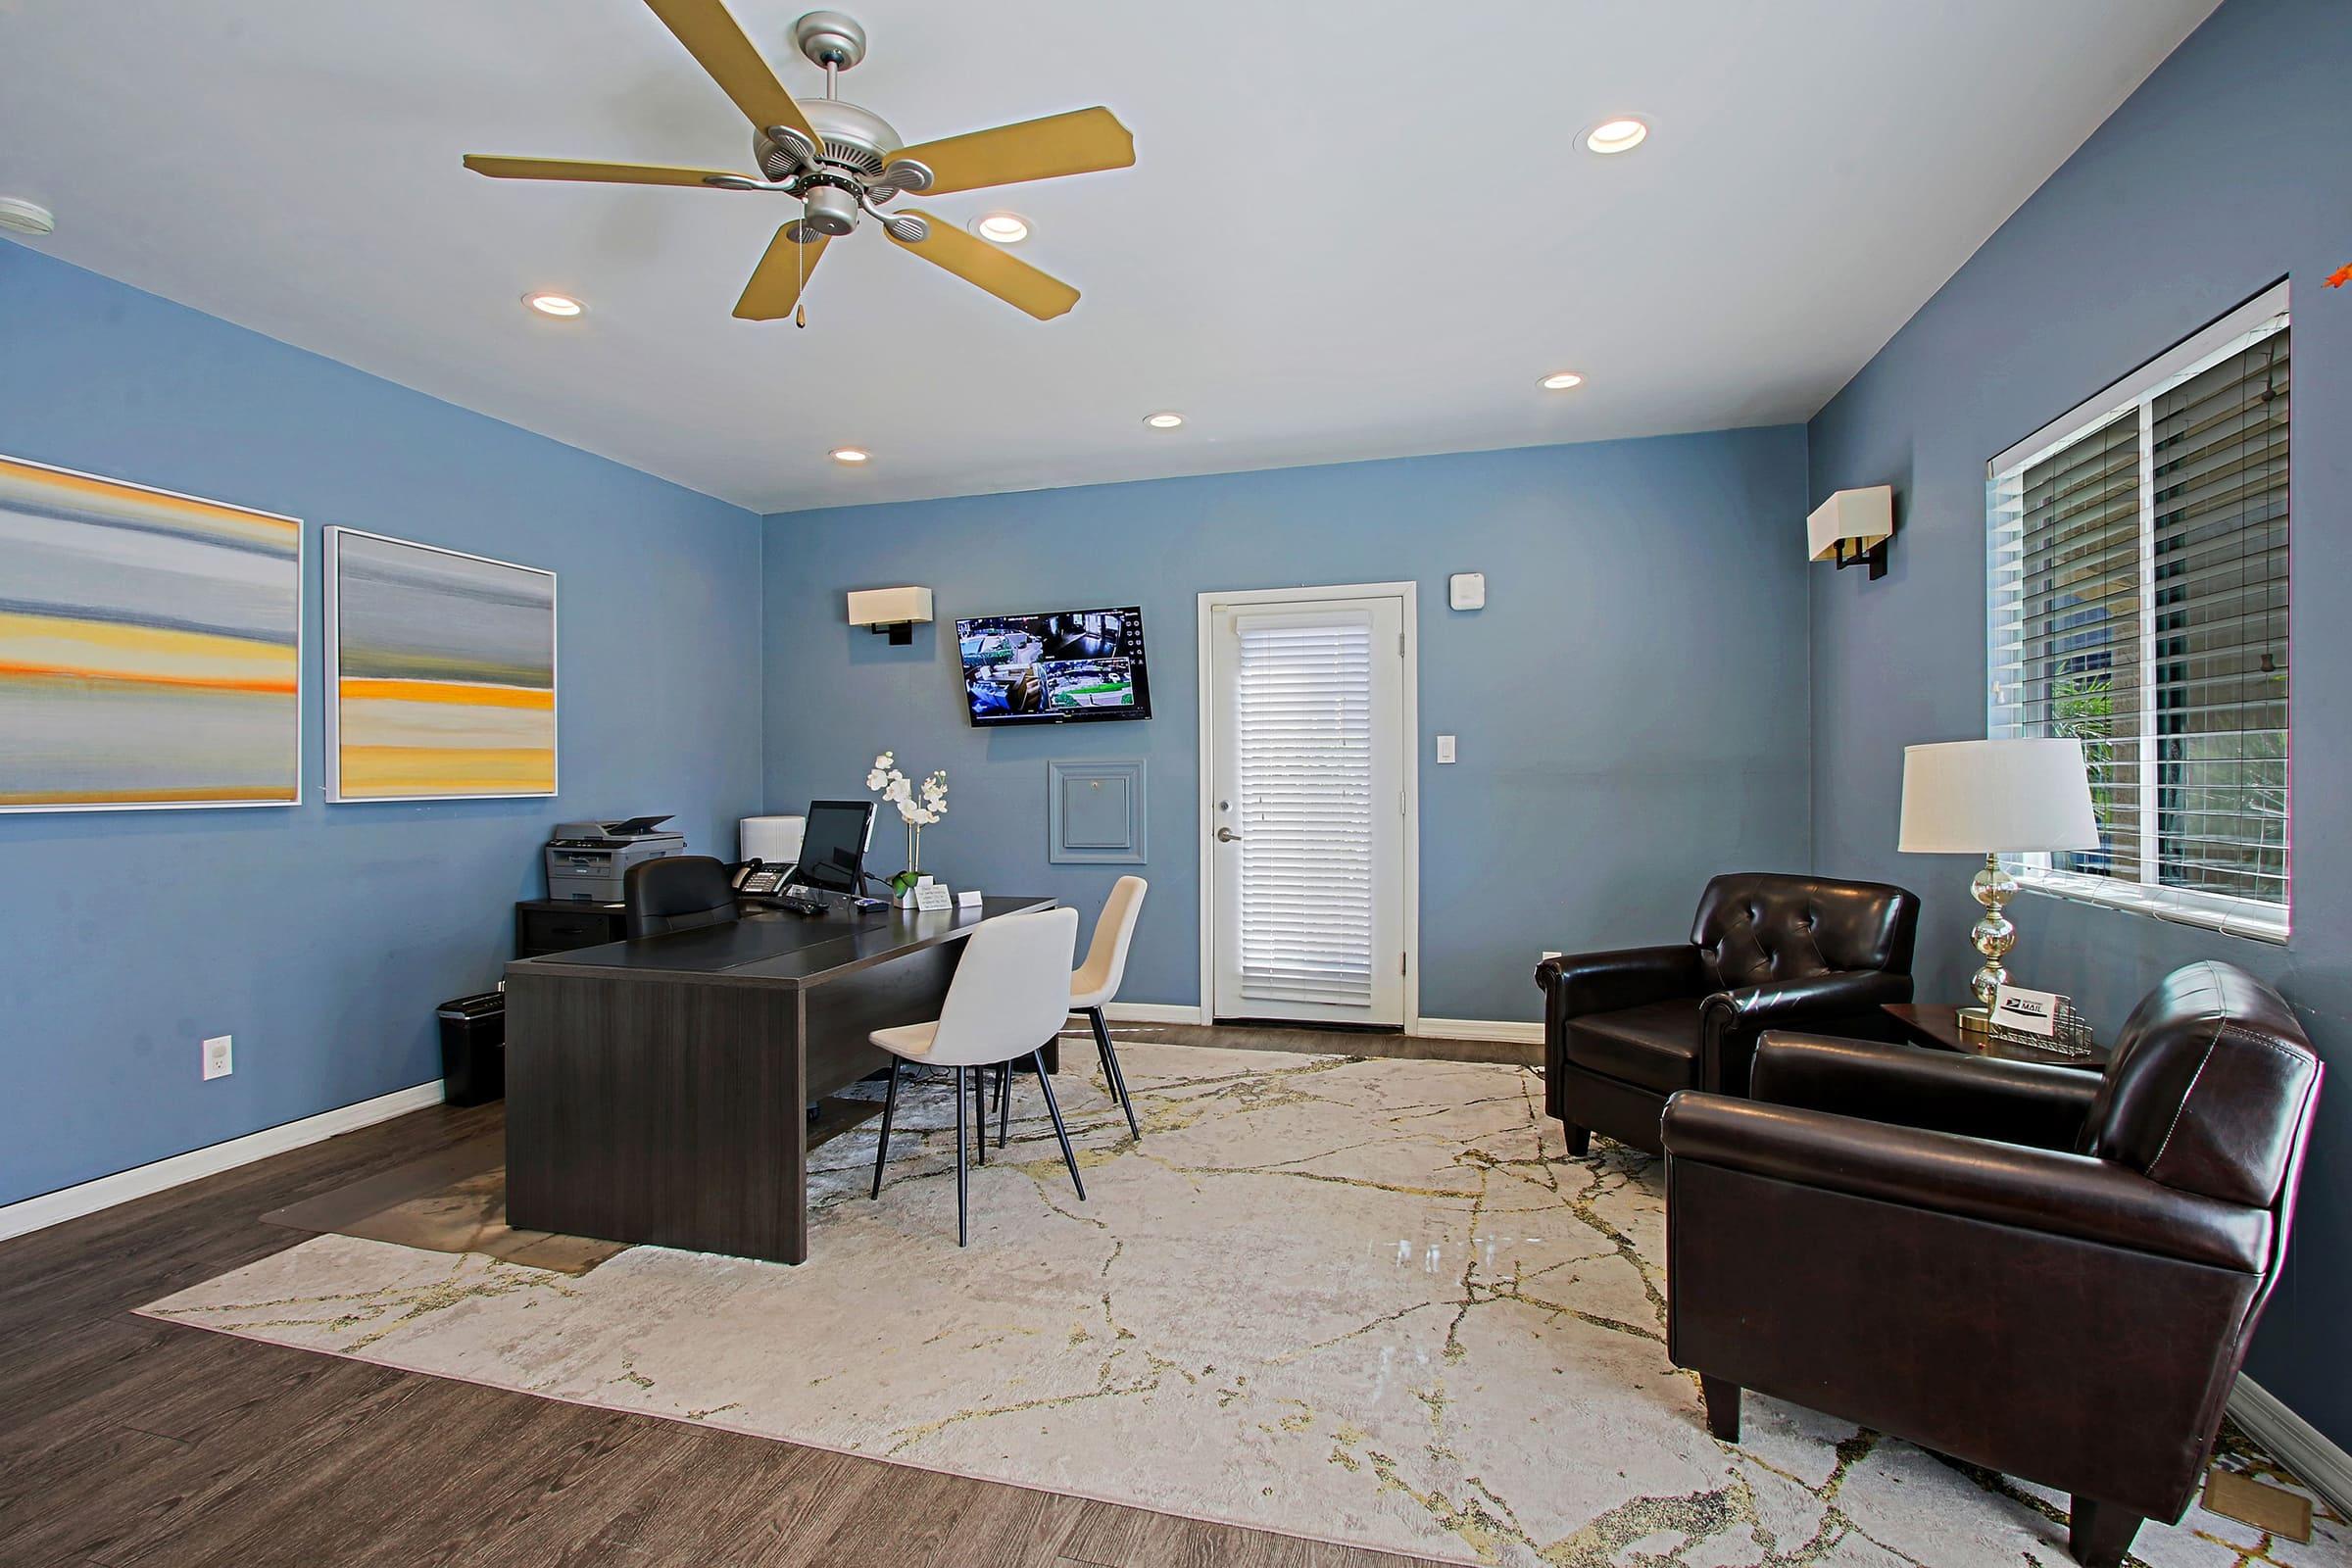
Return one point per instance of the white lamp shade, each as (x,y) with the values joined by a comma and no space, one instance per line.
(1861,517)
(1996,797)
(888,606)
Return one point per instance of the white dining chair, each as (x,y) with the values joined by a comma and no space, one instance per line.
(1009,997)
(1094,983)
(1098,980)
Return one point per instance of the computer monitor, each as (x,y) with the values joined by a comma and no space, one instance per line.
(833,845)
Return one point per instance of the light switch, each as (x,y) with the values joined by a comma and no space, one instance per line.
(1444,748)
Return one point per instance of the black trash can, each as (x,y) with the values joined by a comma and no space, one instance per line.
(473,1049)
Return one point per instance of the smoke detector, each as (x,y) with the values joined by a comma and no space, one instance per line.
(25,218)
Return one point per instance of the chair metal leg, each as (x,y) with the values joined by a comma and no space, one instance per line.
(1115,1079)
(1003,1104)
(980,1110)
(1045,1081)
(963,1179)
(890,1105)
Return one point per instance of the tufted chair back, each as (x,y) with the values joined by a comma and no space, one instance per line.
(1758,928)
(2210,1089)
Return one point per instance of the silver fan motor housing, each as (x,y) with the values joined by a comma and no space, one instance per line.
(854,137)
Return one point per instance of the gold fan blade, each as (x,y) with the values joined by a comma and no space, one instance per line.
(977,262)
(718,45)
(1079,142)
(776,283)
(605,174)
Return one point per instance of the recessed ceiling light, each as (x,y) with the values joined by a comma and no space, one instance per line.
(1561,380)
(1005,228)
(25,218)
(1619,135)
(556,305)
(849,454)
(1164,422)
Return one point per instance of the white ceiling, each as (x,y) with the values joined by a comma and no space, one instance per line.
(1355,227)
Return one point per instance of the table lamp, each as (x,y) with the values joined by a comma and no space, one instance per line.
(1993,798)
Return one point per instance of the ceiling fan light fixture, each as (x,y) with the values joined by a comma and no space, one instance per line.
(1002,229)
(1621,133)
(560,306)
(1561,381)
(1166,419)
(852,455)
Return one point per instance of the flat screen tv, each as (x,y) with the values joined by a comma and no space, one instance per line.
(1069,666)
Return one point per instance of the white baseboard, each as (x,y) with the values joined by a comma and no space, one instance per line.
(1519,1034)
(1151,1013)
(2293,1442)
(105,1192)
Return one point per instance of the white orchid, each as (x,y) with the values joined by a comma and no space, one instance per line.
(919,804)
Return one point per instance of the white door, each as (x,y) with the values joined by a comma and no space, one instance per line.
(1308,814)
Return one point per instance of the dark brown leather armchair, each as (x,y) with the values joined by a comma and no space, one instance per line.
(1624,1030)
(2044,1272)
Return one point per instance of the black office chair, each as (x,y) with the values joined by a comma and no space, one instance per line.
(678,893)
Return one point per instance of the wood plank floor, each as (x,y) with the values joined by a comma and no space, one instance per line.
(126,1443)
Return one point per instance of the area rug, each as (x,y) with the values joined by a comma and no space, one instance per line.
(1364,1301)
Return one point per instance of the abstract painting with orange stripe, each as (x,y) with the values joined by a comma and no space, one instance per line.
(444,670)
(150,647)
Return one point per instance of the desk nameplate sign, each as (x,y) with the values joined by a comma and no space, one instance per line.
(933,896)
(969,899)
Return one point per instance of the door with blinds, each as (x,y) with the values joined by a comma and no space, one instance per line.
(1308,811)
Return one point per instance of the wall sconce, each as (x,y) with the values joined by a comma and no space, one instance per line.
(890,610)
(1853,528)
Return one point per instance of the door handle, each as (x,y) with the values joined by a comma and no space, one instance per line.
(1226,834)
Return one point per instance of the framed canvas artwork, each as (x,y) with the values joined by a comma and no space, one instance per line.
(441,672)
(150,647)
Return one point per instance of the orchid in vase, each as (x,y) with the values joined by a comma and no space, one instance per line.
(919,805)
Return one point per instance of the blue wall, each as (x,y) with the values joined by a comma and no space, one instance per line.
(320,936)
(2226,170)
(1631,702)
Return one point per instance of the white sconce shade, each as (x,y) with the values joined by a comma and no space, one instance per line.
(890,610)
(1859,519)
(1988,797)
(889,606)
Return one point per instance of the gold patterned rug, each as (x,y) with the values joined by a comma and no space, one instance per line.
(1364,1301)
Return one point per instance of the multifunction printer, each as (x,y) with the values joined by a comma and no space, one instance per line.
(587,861)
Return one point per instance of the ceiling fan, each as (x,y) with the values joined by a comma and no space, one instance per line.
(842,161)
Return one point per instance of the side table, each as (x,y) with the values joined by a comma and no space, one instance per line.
(1938,1027)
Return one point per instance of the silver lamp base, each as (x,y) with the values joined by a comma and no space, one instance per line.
(1993,936)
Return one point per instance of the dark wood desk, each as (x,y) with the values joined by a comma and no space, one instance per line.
(1937,1026)
(655,1090)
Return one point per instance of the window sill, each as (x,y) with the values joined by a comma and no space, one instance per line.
(2235,917)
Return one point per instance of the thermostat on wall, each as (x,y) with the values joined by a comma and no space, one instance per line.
(1467,590)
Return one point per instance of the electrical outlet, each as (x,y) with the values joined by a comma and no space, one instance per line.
(1540,956)
(217,1058)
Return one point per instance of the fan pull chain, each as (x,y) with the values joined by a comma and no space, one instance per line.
(800,311)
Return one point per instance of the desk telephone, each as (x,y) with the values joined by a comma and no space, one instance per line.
(773,884)
(757,879)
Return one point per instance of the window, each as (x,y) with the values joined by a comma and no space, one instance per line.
(2138,557)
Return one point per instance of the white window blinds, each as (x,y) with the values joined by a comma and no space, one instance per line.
(1302,733)
(2138,603)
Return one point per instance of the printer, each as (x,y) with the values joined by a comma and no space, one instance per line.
(587,861)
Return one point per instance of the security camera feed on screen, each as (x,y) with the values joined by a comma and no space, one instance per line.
(1059,668)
